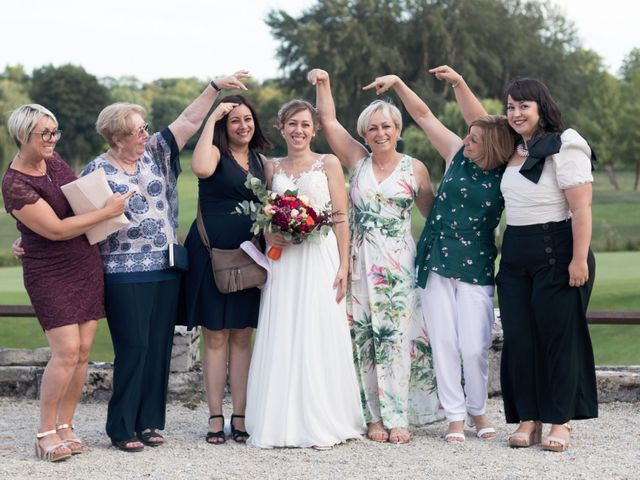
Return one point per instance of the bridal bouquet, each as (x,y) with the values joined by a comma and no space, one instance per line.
(289,215)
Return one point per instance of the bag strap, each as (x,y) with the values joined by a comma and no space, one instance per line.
(201,230)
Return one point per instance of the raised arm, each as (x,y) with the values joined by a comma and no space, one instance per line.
(341,225)
(41,218)
(189,121)
(347,148)
(470,106)
(206,155)
(444,140)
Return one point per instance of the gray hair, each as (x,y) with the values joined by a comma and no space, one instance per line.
(115,120)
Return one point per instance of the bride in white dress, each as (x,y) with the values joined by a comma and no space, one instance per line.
(302,388)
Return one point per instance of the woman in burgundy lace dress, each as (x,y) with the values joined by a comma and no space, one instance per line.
(62,272)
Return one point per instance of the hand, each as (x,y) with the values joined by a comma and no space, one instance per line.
(275,239)
(578,273)
(446,73)
(232,82)
(116,204)
(223,109)
(317,76)
(382,84)
(340,283)
(16,248)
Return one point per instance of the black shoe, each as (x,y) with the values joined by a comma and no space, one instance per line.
(146,436)
(122,445)
(240,436)
(216,435)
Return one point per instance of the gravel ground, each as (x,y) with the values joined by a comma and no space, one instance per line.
(604,448)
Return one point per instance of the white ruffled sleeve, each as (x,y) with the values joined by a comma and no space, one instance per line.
(573,161)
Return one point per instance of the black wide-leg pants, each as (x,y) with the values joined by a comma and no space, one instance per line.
(141,319)
(547,368)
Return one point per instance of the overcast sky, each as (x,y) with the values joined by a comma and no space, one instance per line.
(151,39)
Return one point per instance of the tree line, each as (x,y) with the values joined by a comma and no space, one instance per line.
(490,42)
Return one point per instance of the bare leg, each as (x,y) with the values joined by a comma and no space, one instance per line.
(71,397)
(65,347)
(214,367)
(239,361)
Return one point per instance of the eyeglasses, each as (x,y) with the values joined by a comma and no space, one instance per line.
(141,130)
(48,136)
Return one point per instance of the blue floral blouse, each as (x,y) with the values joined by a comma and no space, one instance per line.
(152,211)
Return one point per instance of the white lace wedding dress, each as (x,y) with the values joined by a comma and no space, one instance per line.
(302,388)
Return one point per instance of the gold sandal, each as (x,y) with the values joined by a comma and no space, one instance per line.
(74,444)
(51,453)
(524,440)
(562,444)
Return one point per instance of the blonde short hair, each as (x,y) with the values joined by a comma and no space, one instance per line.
(498,139)
(387,108)
(115,120)
(24,119)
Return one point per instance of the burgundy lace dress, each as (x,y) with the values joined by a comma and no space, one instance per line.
(64,279)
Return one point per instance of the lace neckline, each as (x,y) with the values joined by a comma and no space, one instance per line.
(317,166)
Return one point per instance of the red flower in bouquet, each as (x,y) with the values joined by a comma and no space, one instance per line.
(289,215)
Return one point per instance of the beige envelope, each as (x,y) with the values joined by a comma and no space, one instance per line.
(90,193)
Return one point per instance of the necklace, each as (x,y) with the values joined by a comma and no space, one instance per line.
(123,164)
(41,171)
(522,150)
(382,166)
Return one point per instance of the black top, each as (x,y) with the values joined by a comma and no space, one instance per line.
(219,195)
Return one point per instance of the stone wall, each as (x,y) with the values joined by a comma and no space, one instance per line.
(21,372)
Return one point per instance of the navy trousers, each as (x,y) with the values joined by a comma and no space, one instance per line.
(141,319)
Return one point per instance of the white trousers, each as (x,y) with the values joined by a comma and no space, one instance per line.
(459,317)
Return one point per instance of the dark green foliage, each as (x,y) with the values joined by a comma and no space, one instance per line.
(76,98)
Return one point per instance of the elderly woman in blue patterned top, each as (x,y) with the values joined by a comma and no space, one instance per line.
(456,253)
(141,292)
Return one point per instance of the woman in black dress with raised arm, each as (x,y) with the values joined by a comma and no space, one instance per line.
(227,150)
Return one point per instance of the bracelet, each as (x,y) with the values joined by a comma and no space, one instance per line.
(455,85)
(215,87)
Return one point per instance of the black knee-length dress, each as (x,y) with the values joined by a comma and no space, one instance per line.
(219,195)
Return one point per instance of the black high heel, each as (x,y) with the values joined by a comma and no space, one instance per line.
(239,436)
(219,435)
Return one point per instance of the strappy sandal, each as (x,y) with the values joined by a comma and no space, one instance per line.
(377,433)
(51,453)
(146,435)
(219,435)
(483,433)
(399,435)
(74,444)
(523,439)
(562,444)
(239,436)
(455,437)
(124,445)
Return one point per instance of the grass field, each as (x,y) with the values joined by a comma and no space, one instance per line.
(616,223)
